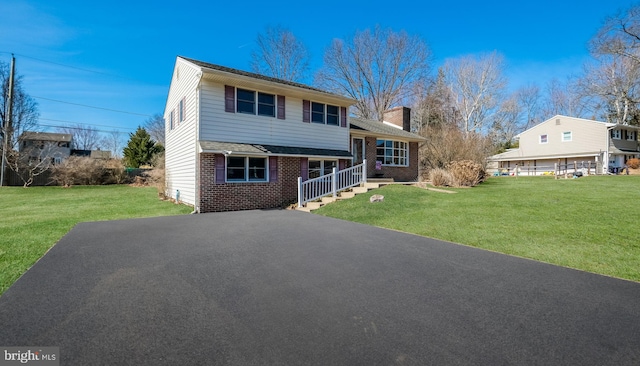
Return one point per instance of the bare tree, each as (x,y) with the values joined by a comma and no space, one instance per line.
(620,35)
(477,83)
(155,126)
(114,142)
(34,160)
(613,85)
(507,123)
(25,109)
(84,137)
(529,102)
(379,69)
(433,105)
(280,55)
(563,98)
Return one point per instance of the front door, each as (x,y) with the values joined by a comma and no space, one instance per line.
(357,149)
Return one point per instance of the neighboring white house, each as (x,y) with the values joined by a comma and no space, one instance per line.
(567,141)
(237,140)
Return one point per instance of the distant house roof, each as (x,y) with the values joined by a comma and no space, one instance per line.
(379,129)
(259,149)
(45,136)
(252,75)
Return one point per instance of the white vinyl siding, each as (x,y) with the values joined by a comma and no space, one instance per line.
(218,125)
(181,141)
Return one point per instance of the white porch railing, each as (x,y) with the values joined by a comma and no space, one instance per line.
(332,183)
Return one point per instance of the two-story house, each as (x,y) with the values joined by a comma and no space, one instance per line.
(564,140)
(236,140)
(45,145)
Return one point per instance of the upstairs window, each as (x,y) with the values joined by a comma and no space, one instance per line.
(246,101)
(616,134)
(631,136)
(566,136)
(325,114)
(317,112)
(171,120)
(181,111)
(544,139)
(266,105)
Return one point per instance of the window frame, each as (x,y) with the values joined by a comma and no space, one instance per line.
(631,136)
(564,139)
(251,101)
(399,152)
(181,111)
(543,138)
(322,169)
(325,115)
(616,134)
(172,120)
(246,169)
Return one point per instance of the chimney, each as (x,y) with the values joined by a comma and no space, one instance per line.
(399,116)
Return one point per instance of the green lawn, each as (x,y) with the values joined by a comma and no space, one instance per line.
(34,219)
(591,223)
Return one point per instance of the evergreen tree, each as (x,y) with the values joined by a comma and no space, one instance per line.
(140,149)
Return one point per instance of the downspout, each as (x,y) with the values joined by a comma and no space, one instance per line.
(196,206)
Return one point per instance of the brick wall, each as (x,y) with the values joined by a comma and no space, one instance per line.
(399,116)
(247,196)
(399,174)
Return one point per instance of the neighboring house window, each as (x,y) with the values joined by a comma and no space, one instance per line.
(325,114)
(615,134)
(631,135)
(391,152)
(321,167)
(246,101)
(543,139)
(566,136)
(246,169)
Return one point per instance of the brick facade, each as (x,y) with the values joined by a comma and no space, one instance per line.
(247,196)
(399,174)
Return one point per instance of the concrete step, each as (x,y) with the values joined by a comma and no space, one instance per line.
(360,190)
(314,205)
(372,185)
(303,209)
(326,200)
(346,195)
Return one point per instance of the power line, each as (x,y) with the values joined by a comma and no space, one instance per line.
(71,67)
(80,128)
(87,123)
(89,106)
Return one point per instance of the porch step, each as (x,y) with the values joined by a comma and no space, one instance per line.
(346,195)
(357,190)
(370,185)
(326,200)
(314,205)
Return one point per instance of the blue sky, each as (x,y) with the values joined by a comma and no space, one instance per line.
(119,55)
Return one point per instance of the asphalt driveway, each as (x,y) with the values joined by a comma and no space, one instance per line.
(290,288)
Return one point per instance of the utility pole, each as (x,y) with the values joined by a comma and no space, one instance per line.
(6,128)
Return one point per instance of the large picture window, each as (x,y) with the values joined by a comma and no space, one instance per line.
(246,169)
(393,153)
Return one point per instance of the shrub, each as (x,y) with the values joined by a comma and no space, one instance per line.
(440,177)
(78,170)
(633,163)
(465,173)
